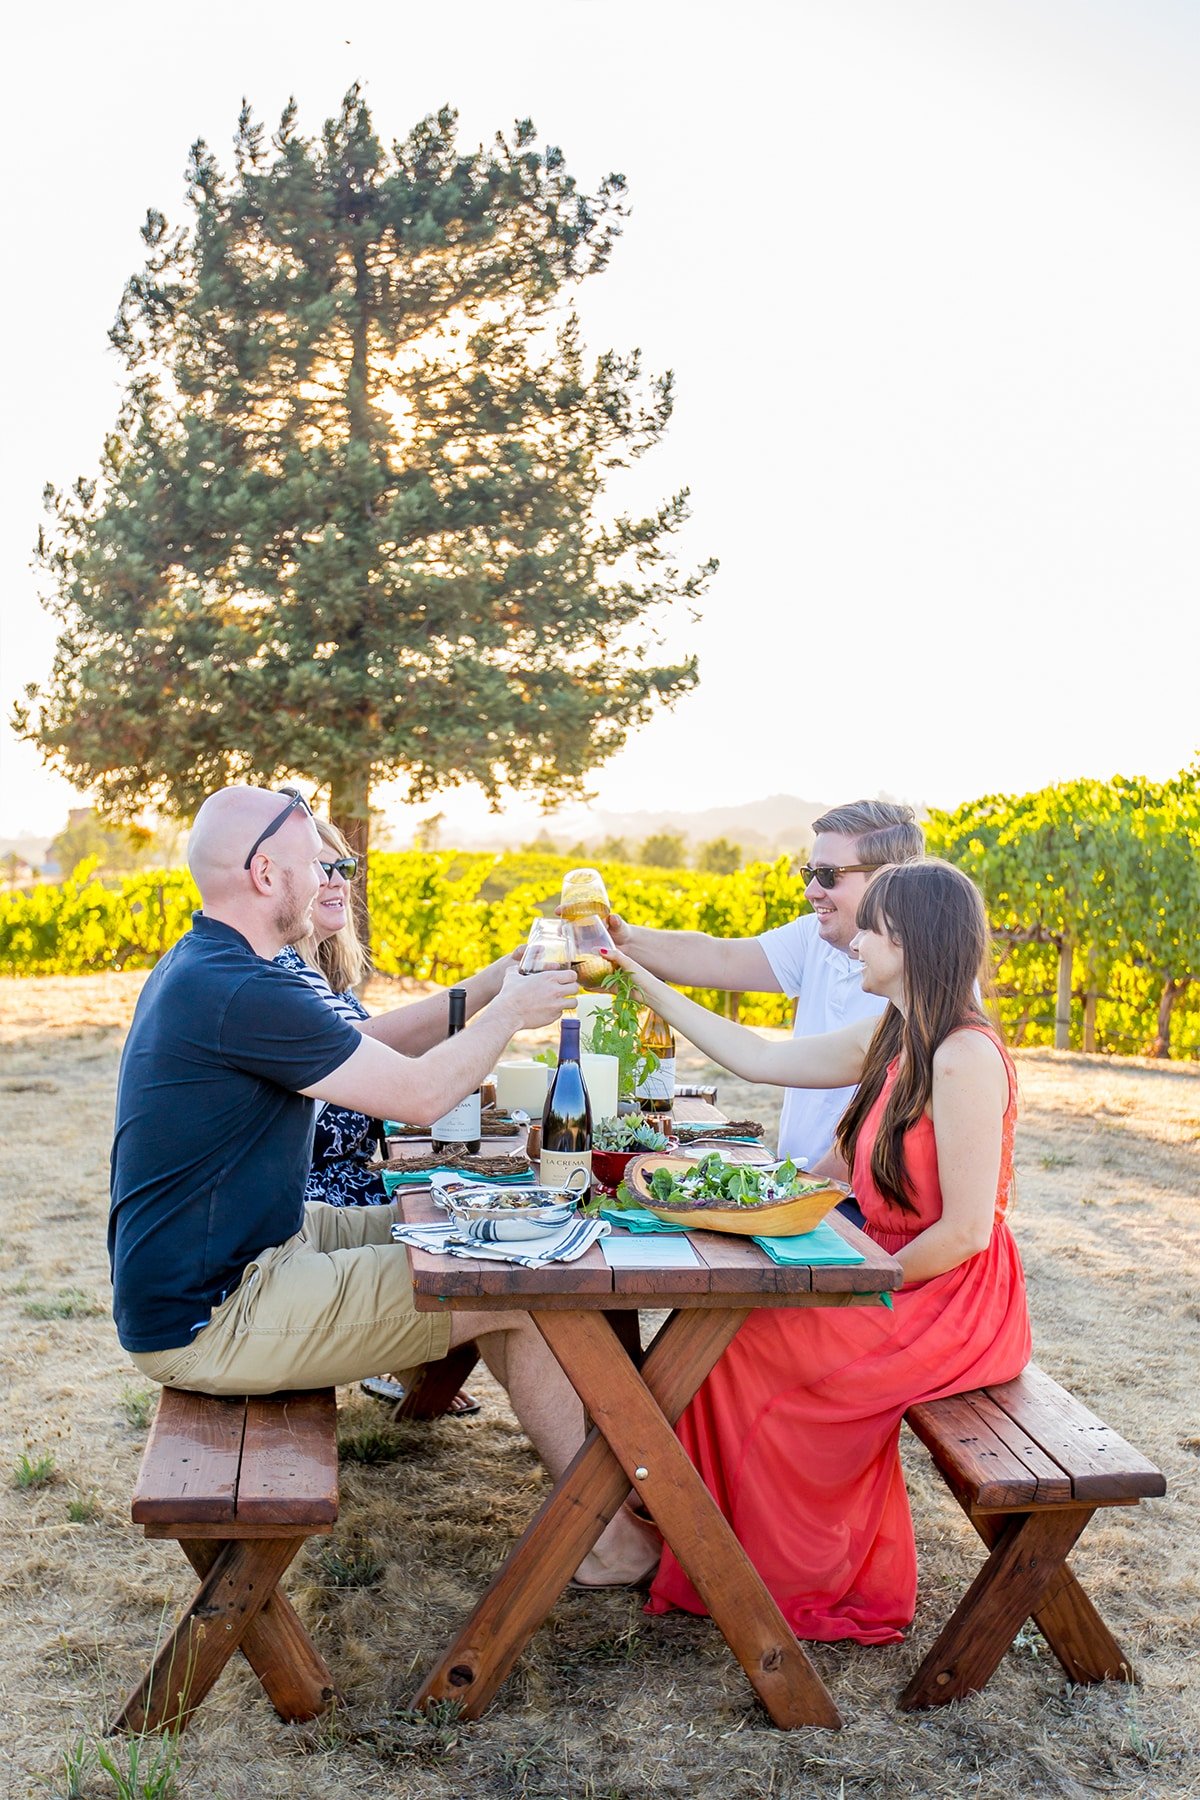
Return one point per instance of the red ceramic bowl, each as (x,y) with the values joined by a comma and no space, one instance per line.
(608,1166)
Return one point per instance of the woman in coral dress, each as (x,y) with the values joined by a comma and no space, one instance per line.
(796,1430)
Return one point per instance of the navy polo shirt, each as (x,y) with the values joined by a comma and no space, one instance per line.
(213,1142)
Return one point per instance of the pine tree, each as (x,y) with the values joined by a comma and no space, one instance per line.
(348,524)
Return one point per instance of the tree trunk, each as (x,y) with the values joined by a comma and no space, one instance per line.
(350,811)
(1089,1022)
(1160,1044)
(1062,1001)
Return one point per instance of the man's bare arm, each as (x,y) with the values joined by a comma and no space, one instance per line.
(385,1084)
(693,959)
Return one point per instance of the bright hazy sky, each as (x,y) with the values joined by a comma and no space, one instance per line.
(928,272)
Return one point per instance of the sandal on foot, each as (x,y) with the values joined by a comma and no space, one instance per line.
(382,1387)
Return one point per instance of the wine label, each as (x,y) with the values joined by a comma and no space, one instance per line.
(660,1085)
(566,1169)
(460,1125)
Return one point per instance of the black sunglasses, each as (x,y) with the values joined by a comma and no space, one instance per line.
(345,866)
(295,801)
(828,874)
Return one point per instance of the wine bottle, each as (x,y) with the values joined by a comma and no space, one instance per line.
(460,1126)
(655,1092)
(566,1158)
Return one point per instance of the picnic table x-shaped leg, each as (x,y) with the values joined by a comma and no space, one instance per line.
(633,1444)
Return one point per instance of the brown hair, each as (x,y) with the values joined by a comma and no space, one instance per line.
(883,832)
(936,915)
(342,957)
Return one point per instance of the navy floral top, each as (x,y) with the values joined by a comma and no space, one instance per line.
(346,1141)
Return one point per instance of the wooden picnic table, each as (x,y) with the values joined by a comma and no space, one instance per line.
(588,1314)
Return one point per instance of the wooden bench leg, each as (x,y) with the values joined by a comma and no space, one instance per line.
(1070,1624)
(435,1384)
(1022,1575)
(240,1580)
(278,1648)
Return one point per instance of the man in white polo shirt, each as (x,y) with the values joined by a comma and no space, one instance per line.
(806,958)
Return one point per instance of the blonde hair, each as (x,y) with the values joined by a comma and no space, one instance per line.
(883,831)
(342,957)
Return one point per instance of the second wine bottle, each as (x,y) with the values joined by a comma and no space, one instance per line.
(566,1159)
(460,1127)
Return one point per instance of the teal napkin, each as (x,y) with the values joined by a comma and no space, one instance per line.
(824,1245)
(398,1178)
(636,1218)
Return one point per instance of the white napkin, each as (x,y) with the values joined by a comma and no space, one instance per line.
(566,1245)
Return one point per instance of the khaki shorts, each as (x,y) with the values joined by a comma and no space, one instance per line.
(331,1305)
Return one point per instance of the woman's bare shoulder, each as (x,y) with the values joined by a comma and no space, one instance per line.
(970,1052)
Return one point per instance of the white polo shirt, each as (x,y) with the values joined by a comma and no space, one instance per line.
(827,987)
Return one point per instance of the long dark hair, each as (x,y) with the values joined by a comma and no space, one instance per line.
(936,916)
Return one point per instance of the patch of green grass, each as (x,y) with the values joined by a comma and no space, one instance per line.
(369,1441)
(69,1303)
(145,1767)
(84,1509)
(346,1568)
(1057,1159)
(34,1471)
(138,1405)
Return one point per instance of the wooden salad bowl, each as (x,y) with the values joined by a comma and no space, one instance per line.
(770,1218)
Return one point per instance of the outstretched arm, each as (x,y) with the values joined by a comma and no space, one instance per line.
(384,1084)
(737,965)
(832,1060)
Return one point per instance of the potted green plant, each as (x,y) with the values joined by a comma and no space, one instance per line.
(615,1032)
(615,1142)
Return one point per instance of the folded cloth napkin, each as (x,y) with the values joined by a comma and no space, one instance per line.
(400,1177)
(824,1245)
(530,1253)
(636,1218)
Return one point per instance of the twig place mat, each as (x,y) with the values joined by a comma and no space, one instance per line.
(738,1129)
(476,1168)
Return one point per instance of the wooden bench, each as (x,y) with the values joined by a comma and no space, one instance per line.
(1029,1465)
(240,1484)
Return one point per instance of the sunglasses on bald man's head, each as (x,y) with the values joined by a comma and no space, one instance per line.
(829,874)
(279,819)
(345,866)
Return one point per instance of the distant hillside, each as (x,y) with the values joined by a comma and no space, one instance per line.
(770,827)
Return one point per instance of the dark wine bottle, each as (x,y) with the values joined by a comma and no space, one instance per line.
(566,1159)
(655,1092)
(459,1128)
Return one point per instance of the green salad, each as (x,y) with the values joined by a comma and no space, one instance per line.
(714,1182)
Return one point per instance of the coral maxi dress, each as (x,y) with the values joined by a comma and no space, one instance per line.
(796,1431)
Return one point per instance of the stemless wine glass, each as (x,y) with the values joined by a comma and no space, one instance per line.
(550,945)
(591,940)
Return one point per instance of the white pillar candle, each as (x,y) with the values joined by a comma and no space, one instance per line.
(587,1006)
(600,1079)
(521,1085)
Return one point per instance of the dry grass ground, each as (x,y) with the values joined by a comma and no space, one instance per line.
(607,1703)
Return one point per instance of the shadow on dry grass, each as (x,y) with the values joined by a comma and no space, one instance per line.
(607,1703)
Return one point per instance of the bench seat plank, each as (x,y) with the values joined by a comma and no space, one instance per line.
(985,1460)
(1101,1465)
(189,1471)
(289,1473)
